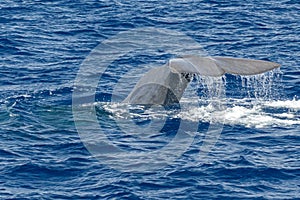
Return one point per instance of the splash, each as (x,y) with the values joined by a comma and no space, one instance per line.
(292,105)
(262,86)
(267,114)
(210,87)
(256,104)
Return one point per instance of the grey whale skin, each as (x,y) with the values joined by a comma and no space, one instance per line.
(165,85)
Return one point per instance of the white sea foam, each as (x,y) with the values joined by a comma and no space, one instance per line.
(290,104)
(258,115)
(255,110)
(239,112)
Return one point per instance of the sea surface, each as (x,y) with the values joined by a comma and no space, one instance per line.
(233,137)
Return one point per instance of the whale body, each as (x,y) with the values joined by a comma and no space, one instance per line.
(166,84)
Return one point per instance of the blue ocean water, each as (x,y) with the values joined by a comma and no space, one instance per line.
(44,43)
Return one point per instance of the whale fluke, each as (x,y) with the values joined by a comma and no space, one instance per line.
(165,85)
(218,66)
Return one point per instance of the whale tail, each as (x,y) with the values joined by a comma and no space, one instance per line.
(217,66)
(165,85)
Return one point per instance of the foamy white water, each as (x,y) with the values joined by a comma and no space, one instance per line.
(256,110)
(259,115)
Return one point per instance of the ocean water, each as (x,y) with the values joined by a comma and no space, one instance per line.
(230,138)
